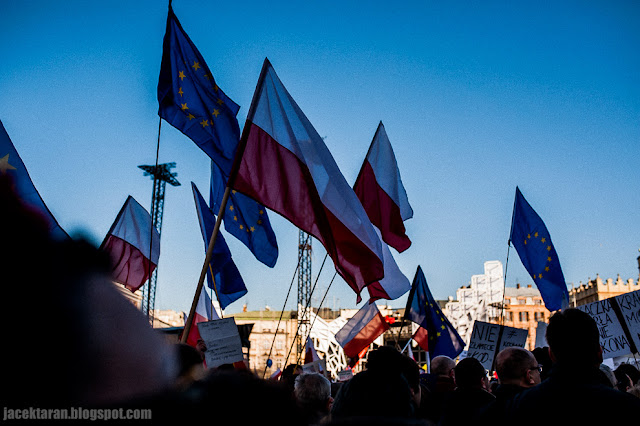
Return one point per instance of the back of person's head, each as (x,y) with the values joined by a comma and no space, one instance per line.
(608,378)
(543,358)
(313,392)
(469,373)
(631,371)
(102,348)
(373,396)
(442,365)
(387,359)
(574,338)
(517,366)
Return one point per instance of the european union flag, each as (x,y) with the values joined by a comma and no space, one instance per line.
(11,165)
(436,334)
(191,101)
(531,240)
(245,219)
(229,285)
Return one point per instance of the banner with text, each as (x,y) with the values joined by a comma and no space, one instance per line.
(487,340)
(223,342)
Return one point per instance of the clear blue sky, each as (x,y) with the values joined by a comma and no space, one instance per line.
(476,99)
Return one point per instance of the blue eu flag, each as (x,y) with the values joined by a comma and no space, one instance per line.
(191,101)
(531,240)
(222,271)
(11,165)
(436,334)
(245,219)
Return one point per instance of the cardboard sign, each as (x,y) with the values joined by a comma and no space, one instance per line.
(319,366)
(630,309)
(613,339)
(223,342)
(345,375)
(487,340)
(541,333)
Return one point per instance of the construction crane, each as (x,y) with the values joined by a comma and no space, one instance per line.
(161,175)
(304,289)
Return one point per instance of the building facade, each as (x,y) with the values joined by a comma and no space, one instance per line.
(599,289)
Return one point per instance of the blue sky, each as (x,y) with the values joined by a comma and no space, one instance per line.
(476,99)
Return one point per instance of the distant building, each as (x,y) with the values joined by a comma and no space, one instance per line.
(598,289)
(524,308)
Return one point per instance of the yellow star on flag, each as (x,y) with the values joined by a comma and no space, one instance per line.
(180,91)
(191,116)
(215,113)
(184,106)
(181,75)
(220,101)
(4,164)
(196,65)
(204,123)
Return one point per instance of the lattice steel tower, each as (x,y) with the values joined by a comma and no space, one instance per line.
(304,289)
(161,175)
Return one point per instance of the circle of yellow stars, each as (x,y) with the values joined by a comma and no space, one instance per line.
(543,240)
(206,122)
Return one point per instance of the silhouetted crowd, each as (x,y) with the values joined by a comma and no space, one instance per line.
(74,341)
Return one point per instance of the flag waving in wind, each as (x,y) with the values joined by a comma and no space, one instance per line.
(133,244)
(11,165)
(245,219)
(361,330)
(436,334)
(191,101)
(222,273)
(287,167)
(531,240)
(379,188)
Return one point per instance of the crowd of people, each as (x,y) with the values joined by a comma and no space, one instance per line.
(80,343)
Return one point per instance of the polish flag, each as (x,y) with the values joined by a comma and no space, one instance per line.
(361,330)
(133,244)
(310,354)
(286,166)
(204,312)
(394,284)
(379,188)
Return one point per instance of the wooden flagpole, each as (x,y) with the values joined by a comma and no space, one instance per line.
(207,260)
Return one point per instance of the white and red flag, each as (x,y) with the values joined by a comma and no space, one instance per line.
(379,188)
(286,166)
(133,244)
(204,312)
(310,354)
(394,284)
(361,330)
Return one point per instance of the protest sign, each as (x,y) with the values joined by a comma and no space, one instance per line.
(345,375)
(487,340)
(315,367)
(541,335)
(629,304)
(223,342)
(613,339)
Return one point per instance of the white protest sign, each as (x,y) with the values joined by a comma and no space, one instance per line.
(613,340)
(223,342)
(513,337)
(630,308)
(484,342)
(541,333)
(345,375)
(314,367)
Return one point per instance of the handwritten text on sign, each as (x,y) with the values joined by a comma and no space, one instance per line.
(486,341)
(630,307)
(223,342)
(612,338)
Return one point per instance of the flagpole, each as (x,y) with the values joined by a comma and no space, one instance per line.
(153,197)
(207,260)
(223,205)
(504,287)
